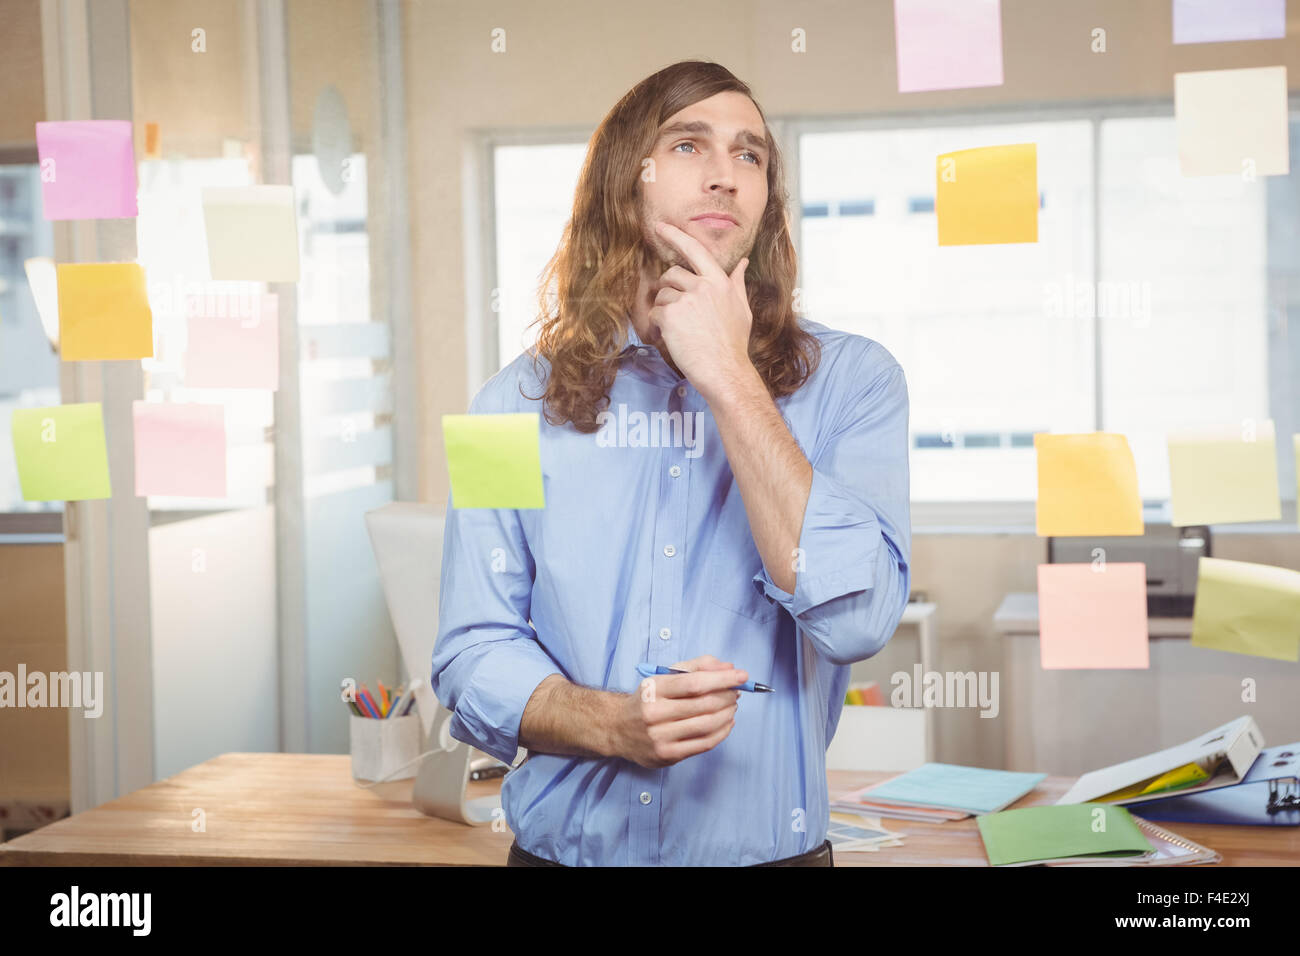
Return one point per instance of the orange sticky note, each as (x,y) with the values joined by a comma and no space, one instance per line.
(987,195)
(151,150)
(103,312)
(1093,615)
(1087,485)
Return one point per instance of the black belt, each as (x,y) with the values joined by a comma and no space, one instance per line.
(821,856)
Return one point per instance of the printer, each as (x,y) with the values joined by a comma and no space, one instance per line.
(1171,556)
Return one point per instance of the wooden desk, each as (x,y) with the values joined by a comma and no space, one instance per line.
(296,809)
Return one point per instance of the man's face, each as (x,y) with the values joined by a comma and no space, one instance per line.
(709,158)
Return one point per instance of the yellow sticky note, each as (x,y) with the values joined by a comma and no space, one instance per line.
(1087,485)
(103,312)
(494,461)
(60,452)
(1222,474)
(1247,609)
(987,195)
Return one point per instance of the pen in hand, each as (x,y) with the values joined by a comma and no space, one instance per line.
(650,670)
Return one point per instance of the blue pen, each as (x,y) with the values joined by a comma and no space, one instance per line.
(650,670)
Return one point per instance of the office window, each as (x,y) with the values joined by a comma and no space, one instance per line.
(983,367)
(345,367)
(29,366)
(533,189)
(1186,305)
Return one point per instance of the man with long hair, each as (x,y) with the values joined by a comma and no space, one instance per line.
(724,482)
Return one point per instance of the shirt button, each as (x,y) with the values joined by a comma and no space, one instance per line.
(645,796)
(665,633)
(675,470)
(681,389)
(669,550)
(643,352)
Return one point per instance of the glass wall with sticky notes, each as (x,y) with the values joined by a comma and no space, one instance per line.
(204,433)
(266,429)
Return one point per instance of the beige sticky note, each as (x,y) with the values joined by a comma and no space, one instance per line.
(1093,615)
(1087,485)
(1232,122)
(252,233)
(1223,474)
(987,195)
(1247,609)
(103,312)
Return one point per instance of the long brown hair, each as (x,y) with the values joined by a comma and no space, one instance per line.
(596,269)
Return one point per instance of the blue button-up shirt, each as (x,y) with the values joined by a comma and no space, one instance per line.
(644,553)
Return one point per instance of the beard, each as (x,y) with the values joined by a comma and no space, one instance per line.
(658,255)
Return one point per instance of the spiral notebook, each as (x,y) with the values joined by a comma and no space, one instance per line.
(1167,849)
(1083,835)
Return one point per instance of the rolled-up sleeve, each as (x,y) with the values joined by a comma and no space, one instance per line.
(487,660)
(853,573)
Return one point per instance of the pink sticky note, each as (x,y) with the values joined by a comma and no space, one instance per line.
(233,343)
(87,169)
(1093,615)
(180,449)
(948,44)
(1218,21)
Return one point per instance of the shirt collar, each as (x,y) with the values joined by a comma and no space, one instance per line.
(652,364)
(633,340)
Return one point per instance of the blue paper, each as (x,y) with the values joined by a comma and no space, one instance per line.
(973,789)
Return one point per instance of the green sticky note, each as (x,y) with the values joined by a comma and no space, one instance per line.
(1247,609)
(61,453)
(1033,834)
(494,460)
(1221,474)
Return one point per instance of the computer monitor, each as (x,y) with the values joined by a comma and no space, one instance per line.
(407,540)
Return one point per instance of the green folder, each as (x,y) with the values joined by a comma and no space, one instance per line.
(1038,834)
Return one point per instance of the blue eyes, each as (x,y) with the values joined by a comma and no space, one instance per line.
(749,153)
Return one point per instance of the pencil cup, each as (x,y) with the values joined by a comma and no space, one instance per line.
(380,746)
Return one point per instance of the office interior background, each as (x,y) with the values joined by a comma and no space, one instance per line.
(461,148)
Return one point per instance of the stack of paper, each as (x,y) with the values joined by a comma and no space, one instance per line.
(852,834)
(936,792)
(1083,834)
